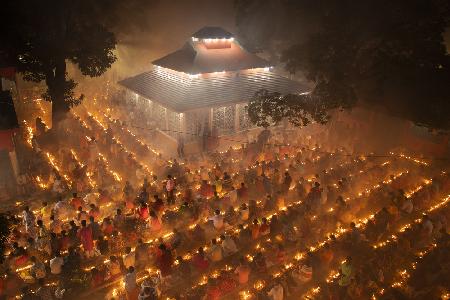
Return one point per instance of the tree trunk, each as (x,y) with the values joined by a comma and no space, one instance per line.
(57,91)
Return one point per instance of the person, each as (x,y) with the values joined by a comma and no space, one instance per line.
(346,272)
(242,193)
(29,221)
(55,225)
(303,273)
(154,222)
(129,259)
(103,245)
(199,260)
(164,261)
(170,187)
(76,201)
(141,253)
(95,228)
(427,225)
(131,288)
(119,219)
(113,267)
(276,292)
(37,270)
(94,211)
(43,238)
(45,211)
(264,229)
(82,215)
(255,229)
(44,292)
(228,245)
(217,220)
(143,212)
(243,271)
(56,264)
(107,227)
(215,253)
(85,236)
(148,293)
(407,206)
(244,212)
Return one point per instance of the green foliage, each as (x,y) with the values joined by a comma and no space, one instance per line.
(388,54)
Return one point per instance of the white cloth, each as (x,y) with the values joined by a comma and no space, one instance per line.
(129,260)
(229,246)
(56,265)
(276,293)
(217,221)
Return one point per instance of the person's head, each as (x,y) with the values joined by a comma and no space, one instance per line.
(169,176)
(242,260)
(140,241)
(52,217)
(217,212)
(214,241)
(92,205)
(244,206)
(33,259)
(352,225)
(162,247)
(152,214)
(57,254)
(118,212)
(26,208)
(130,269)
(74,195)
(80,209)
(91,219)
(128,250)
(44,203)
(83,223)
(255,221)
(264,220)
(40,223)
(222,237)
(200,250)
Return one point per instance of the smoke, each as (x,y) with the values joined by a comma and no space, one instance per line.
(147,30)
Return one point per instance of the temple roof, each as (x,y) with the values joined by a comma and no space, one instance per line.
(212,49)
(212,32)
(212,69)
(181,93)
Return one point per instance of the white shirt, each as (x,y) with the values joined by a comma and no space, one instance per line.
(276,293)
(130,281)
(56,265)
(229,246)
(129,260)
(61,210)
(217,221)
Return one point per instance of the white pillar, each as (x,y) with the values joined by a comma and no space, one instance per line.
(237,107)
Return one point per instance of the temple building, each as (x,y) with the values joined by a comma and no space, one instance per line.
(204,87)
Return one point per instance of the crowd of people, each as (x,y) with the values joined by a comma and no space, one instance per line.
(268,220)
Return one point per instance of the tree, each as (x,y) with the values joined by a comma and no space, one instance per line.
(41,37)
(388,54)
